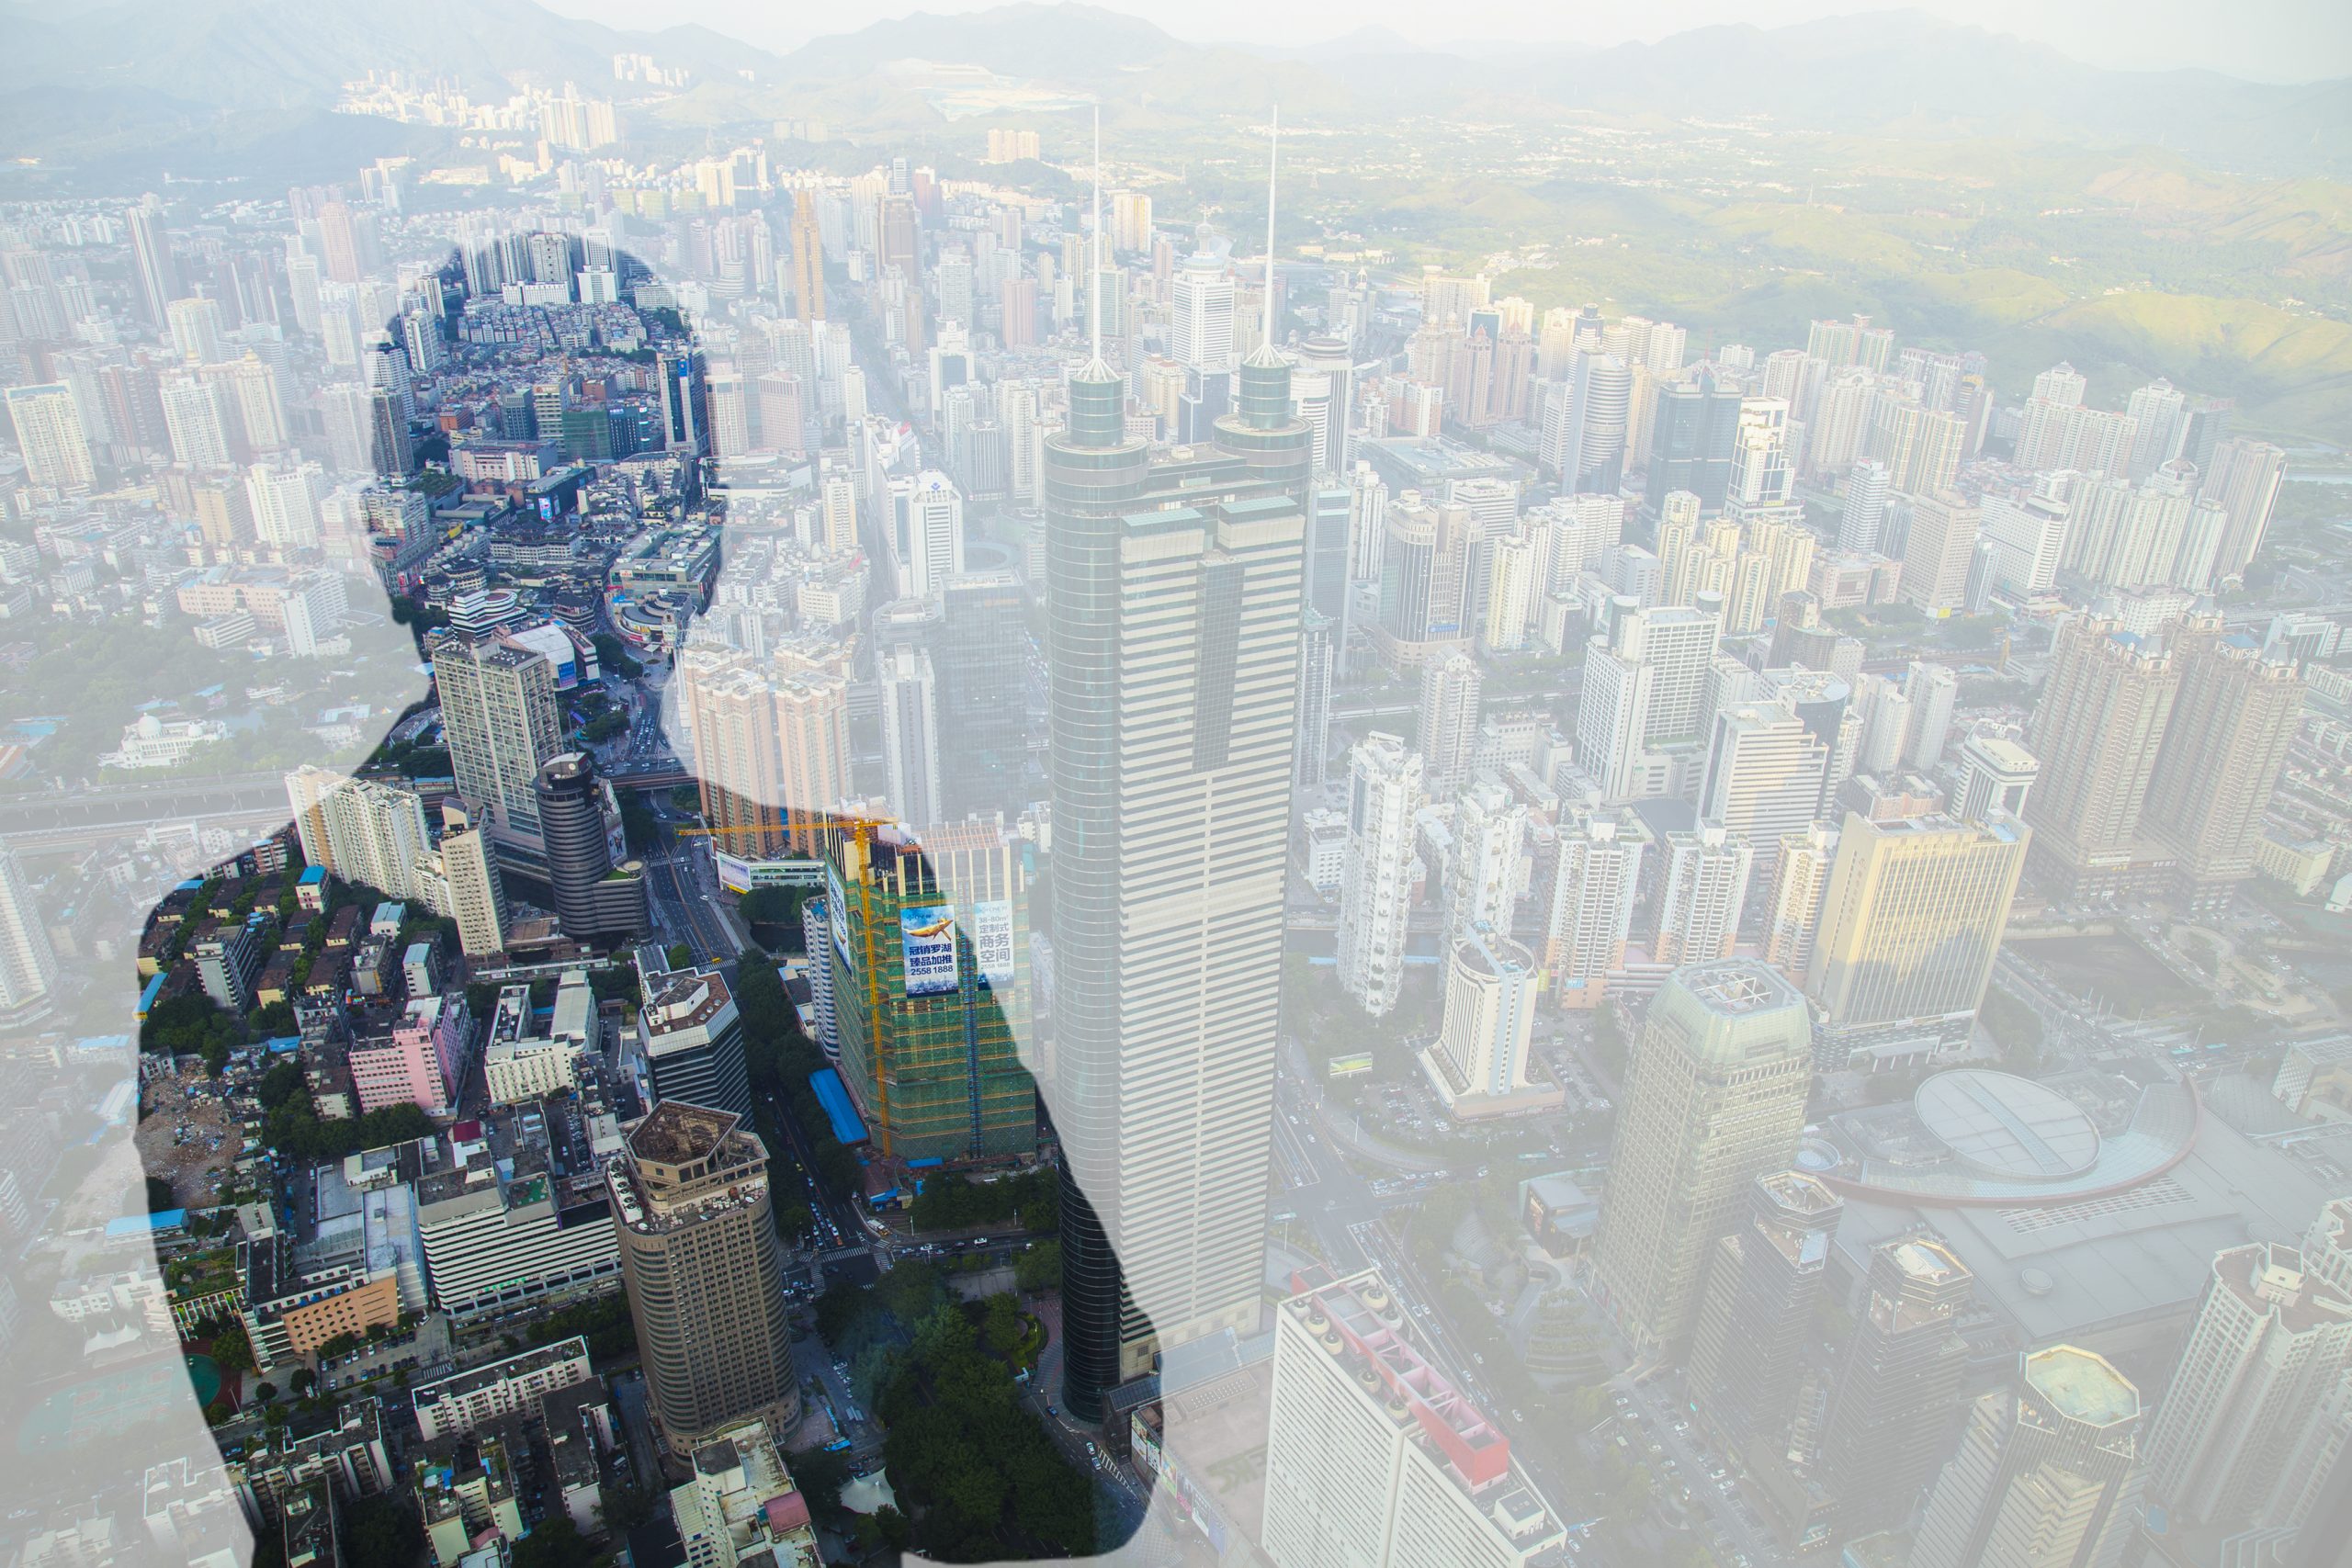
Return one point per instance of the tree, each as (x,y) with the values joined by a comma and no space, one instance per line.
(556,1542)
(160,1195)
(681,956)
(640,827)
(265,1392)
(382,1531)
(1040,1267)
(303,1381)
(230,1351)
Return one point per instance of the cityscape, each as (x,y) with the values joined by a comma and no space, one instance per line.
(1005,789)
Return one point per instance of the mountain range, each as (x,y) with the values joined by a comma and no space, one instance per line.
(201,79)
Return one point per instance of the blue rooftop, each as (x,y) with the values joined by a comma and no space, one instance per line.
(833,1095)
(312,874)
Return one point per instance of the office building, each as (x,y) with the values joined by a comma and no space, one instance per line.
(1694,426)
(1714,1099)
(1941,547)
(1767,766)
(1374,1457)
(706,1286)
(923,955)
(1898,1383)
(980,655)
(923,534)
(691,1039)
(1479,1063)
(1384,792)
(1171,661)
(1933,691)
(2096,729)
(504,1219)
(2048,1473)
(1595,886)
(1427,552)
(1914,916)
(2236,711)
(2271,1341)
(1763,1284)
(594,900)
(499,716)
(808,259)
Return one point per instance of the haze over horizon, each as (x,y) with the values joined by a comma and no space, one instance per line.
(2267,40)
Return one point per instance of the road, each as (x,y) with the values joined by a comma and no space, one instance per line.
(80,813)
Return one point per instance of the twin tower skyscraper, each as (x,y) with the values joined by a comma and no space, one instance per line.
(1175,586)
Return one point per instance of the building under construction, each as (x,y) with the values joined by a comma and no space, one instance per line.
(927,946)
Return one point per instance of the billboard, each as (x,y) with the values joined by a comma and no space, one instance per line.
(838,907)
(1349,1065)
(992,941)
(927,948)
(734,872)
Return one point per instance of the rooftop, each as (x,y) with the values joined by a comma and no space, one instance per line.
(675,1133)
(2081,1386)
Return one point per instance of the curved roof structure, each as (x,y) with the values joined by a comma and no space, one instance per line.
(1992,1139)
(2006,1127)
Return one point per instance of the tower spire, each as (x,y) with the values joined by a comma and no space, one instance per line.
(1273,140)
(1094,283)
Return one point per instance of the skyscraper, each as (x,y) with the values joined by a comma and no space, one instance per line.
(690,1034)
(922,967)
(1898,1386)
(2096,729)
(1171,662)
(1995,774)
(1448,722)
(498,711)
(1645,675)
(910,756)
(150,259)
(1914,917)
(49,433)
(477,894)
(1863,519)
(2047,1475)
(808,259)
(706,1287)
(1480,1064)
(1374,1457)
(593,901)
(2236,711)
(1706,887)
(1694,427)
(28,961)
(1714,1097)
(2270,1342)
(1941,544)
(979,654)
(771,746)
(1486,863)
(1763,1284)
(1594,887)
(1375,887)
(1316,653)
(1800,888)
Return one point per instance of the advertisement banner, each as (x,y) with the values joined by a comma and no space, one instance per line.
(734,872)
(992,941)
(838,907)
(927,948)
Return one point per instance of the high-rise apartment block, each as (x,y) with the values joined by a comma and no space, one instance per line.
(1385,792)
(498,711)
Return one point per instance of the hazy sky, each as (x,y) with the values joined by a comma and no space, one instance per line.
(2279,41)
